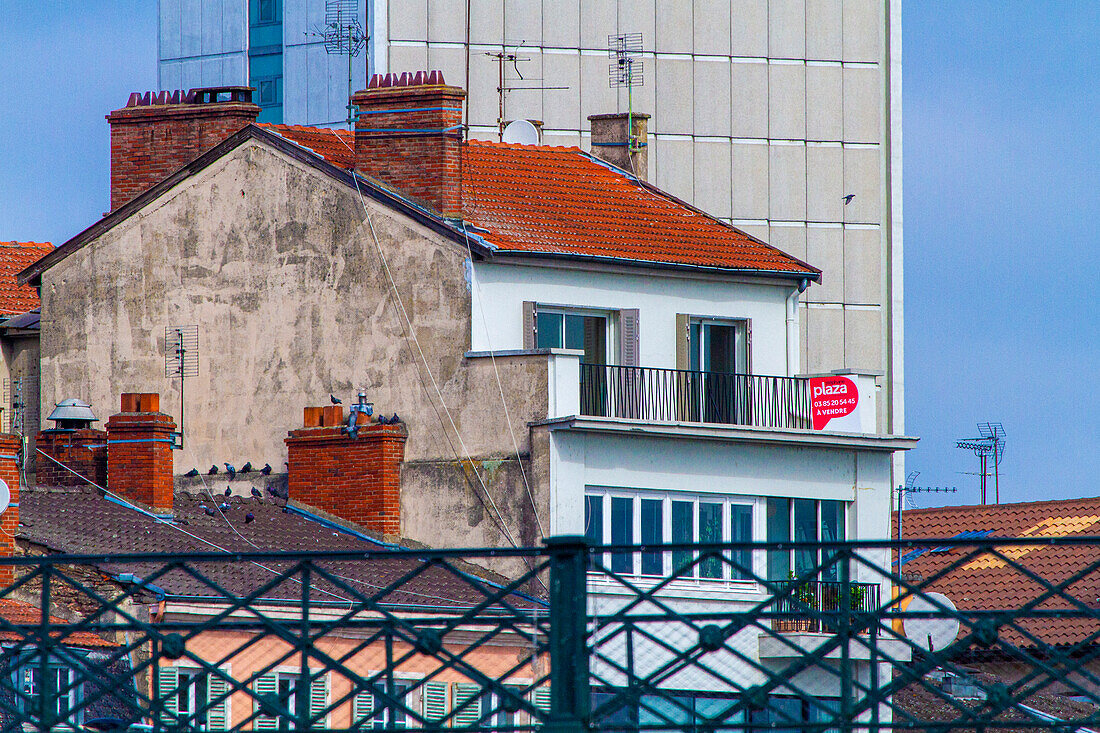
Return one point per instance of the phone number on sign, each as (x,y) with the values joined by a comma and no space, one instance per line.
(837,403)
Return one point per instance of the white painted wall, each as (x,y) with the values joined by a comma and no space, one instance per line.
(500,291)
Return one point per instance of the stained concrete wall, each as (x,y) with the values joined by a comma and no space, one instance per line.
(275,264)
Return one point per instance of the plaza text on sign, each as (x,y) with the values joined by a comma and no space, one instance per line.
(833,399)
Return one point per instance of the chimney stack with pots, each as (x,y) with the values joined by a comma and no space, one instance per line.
(354,474)
(620,139)
(78,451)
(10,446)
(155,134)
(409,135)
(139,452)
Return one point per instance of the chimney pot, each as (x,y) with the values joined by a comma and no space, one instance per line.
(613,142)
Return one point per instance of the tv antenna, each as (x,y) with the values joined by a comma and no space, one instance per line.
(627,70)
(509,53)
(344,36)
(181,360)
(989,446)
(910,487)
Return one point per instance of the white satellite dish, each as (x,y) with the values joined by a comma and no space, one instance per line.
(521,132)
(931,634)
(5,496)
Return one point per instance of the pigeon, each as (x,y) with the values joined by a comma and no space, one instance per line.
(228,491)
(208,510)
(213,471)
(395,419)
(247,467)
(192,473)
(232,470)
(848,198)
(224,506)
(266,470)
(335,400)
(256,493)
(271,490)
(249,517)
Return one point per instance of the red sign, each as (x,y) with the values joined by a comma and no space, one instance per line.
(830,398)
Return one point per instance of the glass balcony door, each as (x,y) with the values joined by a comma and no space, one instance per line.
(718,352)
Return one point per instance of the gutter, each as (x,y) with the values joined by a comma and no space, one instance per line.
(131,579)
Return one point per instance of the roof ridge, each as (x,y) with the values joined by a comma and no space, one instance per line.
(994,507)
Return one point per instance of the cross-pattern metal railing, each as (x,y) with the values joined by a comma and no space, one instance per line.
(966,635)
(677,395)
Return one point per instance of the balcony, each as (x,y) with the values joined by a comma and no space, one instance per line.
(817,606)
(676,395)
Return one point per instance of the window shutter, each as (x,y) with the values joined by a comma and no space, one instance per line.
(628,337)
(318,701)
(217,695)
(470,715)
(168,682)
(435,701)
(683,357)
(264,685)
(540,696)
(362,708)
(530,335)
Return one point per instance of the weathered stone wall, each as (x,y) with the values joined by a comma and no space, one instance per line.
(275,264)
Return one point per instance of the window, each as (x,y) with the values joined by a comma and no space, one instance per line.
(268,92)
(488,709)
(677,710)
(277,692)
(803,520)
(265,11)
(628,518)
(562,329)
(64,694)
(386,715)
(718,356)
(191,696)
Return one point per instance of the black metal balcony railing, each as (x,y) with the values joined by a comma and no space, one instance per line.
(678,395)
(818,605)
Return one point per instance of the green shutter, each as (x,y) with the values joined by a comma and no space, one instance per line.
(217,693)
(471,714)
(540,696)
(362,708)
(168,682)
(318,701)
(435,701)
(263,686)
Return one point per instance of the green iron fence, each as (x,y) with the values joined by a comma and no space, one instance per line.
(959,635)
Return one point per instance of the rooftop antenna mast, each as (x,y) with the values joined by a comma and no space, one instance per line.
(181,360)
(988,446)
(343,35)
(995,433)
(910,487)
(627,70)
(504,57)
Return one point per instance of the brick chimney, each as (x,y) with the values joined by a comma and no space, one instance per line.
(610,141)
(409,135)
(9,520)
(155,134)
(139,452)
(74,446)
(355,478)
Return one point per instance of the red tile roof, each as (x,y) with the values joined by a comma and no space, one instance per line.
(982,580)
(20,613)
(14,257)
(561,201)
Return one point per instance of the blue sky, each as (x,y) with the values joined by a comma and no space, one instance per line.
(1002,173)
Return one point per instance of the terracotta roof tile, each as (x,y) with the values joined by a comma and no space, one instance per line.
(20,613)
(980,580)
(562,201)
(14,257)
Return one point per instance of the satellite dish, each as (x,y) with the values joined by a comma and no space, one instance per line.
(521,132)
(931,634)
(5,496)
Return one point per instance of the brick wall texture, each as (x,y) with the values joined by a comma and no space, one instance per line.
(356,479)
(139,453)
(84,451)
(9,520)
(417,152)
(149,143)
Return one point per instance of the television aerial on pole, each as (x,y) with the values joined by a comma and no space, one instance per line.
(995,432)
(181,360)
(627,70)
(344,36)
(512,53)
(988,447)
(910,487)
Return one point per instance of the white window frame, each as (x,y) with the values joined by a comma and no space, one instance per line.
(379,719)
(791,553)
(759,560)
(611,339)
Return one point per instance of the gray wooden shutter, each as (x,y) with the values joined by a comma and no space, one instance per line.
(318,701)
(168,682)
(217,695)
(684,382)
(264,685)
(435,701)
(530,327)
(628,337)
(471,714)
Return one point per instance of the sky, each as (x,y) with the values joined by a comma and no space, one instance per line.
(1001,194)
